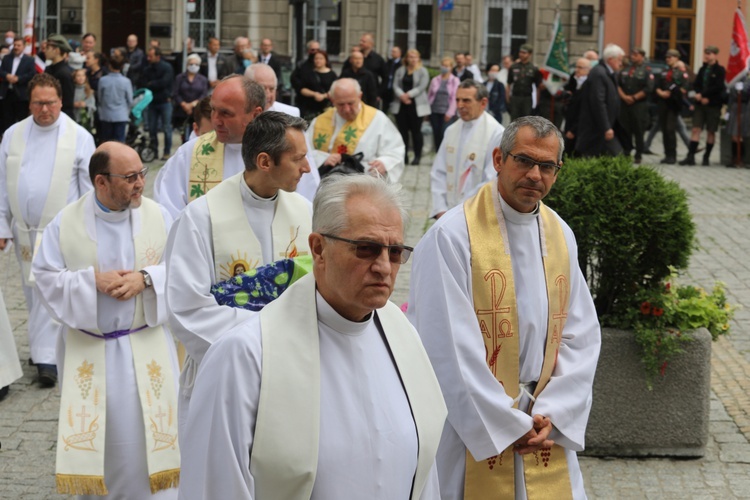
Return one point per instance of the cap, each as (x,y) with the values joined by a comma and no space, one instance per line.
(639,50)
(60,42)
(672,53)
(527,48)
(712,49)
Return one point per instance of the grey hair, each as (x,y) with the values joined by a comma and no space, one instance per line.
(250,71)
(542,128)
(255,95)
(329,206)
(267,134)
(193,56)
(336,83)
(473,84)
(240,39)
(611,51)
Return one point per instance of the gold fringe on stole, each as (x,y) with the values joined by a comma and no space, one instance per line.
(164,480)
(71,484)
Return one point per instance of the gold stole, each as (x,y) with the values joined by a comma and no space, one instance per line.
(206,166)
(236,247)
(349,135)
(546,471)
(57,196)
(83,416)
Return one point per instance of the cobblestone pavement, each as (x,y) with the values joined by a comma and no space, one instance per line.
(720,204)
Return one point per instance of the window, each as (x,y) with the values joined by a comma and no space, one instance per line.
(673,28)
(204,22)
(49,13)
(505,30)
(412,26)
(323,23)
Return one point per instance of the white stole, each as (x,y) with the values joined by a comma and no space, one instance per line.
(57,196)
(285,447)
(463,173)
(236,247)
(82,424)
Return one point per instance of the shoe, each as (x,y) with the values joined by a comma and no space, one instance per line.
(165,157)
(668,161)
(689,161)
(47,375)
(415,161)
(31,362)
(637,160)
(4,392)
(648,152)
(706,163)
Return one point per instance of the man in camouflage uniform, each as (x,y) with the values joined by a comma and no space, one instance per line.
(521,77)
(709,96)
(669,91)
(636,83)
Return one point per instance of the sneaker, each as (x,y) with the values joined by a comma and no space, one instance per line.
(47,375)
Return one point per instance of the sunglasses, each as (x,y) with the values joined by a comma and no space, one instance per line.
(131,178)
(371,250)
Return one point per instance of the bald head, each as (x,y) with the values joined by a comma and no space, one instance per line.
(583,66)
(264,76)
(591,55)
(117,174)
(346,96)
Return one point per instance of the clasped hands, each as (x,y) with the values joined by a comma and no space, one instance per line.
(121,284)
(536,438)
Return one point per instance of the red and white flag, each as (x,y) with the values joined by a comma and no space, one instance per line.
(30,40)
(739,51)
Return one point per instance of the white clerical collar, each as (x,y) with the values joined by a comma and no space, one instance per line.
(47,128)
(107,214)
(514,216)
(254,200)
(333,320)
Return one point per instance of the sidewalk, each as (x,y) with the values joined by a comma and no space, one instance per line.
(720,204)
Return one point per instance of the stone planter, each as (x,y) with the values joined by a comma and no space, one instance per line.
(628,420)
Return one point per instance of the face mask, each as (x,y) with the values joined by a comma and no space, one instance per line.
(444,70)
(9,41)
(246,62)
(193,68)
(594,63)
(492,75)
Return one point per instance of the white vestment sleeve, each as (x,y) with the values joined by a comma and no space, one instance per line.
(488,170)
(567,398)
(439,182)
(170,188)
(5,215)
(441,309)
(85,148)
(390,147)
(63,292)
(218,441)
(154,299)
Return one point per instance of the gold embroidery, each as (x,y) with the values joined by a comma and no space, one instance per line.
(78,441)
(162,440)
(83,378)
(156,377)
(237,266)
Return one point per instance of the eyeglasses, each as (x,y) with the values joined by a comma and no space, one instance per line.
(130,178)
(546,169)
(371,250)
(41,104)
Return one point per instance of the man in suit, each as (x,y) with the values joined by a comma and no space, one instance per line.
(16,70)
(391,66)
(460,69)
(268,57)
(214,65)
(601,102)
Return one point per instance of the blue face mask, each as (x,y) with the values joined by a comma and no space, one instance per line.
(246,62)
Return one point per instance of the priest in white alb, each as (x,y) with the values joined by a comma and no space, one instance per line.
(44,162)
(352,127)
(464,160)
(507,319)
(252,218)
(326,393)
(100,273)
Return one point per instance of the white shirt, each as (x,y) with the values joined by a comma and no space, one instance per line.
(212,74)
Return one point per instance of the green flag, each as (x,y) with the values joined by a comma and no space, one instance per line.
(556,61)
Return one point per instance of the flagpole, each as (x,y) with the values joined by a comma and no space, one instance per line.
(738,160)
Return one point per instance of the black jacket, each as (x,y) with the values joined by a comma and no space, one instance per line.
(63,73)
(711,87)
(159,79)
(600,106)
(374,63)
(367,81)
(467,74)
(275,66)
(496,105)
(25,72)
(223,66)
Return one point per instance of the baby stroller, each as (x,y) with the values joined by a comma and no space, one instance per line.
(137,137)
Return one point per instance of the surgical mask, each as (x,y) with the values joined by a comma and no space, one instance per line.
(246,62)
(594,63)
(492,75)
(9,41)
(193,68)
(444,70)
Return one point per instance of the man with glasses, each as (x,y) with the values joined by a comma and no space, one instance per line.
(344,399)
(507,319)
(636,83)
(250,219)
(464,159)
(99,271)
(44,162)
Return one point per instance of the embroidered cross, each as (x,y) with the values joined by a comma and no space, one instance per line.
(161,416)
(83,416)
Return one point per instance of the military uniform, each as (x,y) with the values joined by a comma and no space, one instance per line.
(521,78)
(675,81)
(634,118)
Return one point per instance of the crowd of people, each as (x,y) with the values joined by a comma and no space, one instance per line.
(295,376)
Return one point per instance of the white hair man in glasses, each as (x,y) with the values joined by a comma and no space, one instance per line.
(344,403)
(44,165)
(510,327)
(100,273)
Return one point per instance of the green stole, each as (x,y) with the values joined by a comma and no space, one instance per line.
(348,137)
(206,166)
(494,295)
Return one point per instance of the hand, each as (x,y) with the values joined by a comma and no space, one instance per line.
(4,242)
(185,107)
(609,135)
(704,101)
(105,280)
(379,166)
(319,97)
(127,286)
(698,98)
(333,159)
(570,135)
(536,438)
(629,100)
(79,104)
(405,98)
(448,118)
(12,78)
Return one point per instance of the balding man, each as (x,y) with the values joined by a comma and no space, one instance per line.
(373,61)
(352,127)
(267,56)
(100,273)
(244,55)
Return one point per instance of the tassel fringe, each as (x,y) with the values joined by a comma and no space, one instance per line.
(164,480)
(71,484)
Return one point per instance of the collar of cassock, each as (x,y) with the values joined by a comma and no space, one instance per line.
(514,216)
(329,317)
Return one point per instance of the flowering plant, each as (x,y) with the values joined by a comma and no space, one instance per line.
(663,316)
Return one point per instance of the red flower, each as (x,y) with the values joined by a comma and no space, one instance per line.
(668,286)
(657,311)
(645,308)
(342,150)
(663,368)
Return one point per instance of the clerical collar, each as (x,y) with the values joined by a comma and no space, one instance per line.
(333,320)
(254,199)
(52,126)
(514,216)
(108,214)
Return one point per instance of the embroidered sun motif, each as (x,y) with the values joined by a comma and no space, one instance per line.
(151,255)
(238,265)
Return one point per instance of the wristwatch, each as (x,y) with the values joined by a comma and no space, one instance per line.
(146,279)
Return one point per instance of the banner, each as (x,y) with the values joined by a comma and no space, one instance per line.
(556,61)
(28,31)
(739,51)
